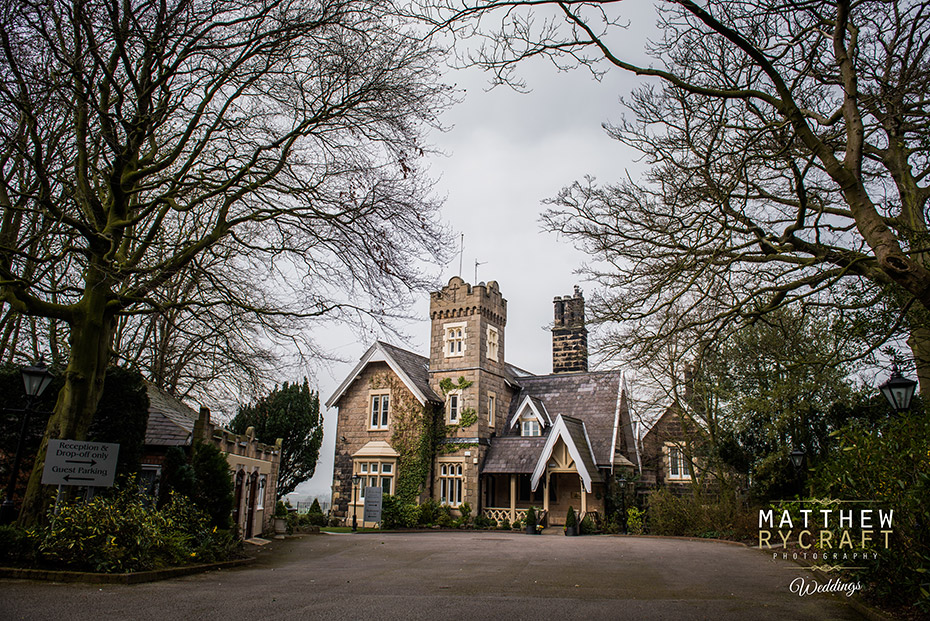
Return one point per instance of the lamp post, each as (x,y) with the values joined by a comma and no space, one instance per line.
(623,523)
(355,480)
(797,460)
(898,390)
(36,379)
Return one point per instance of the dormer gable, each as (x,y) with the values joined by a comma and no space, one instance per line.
(531,409)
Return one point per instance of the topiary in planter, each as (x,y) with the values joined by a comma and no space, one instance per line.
(531,521)
(571,523)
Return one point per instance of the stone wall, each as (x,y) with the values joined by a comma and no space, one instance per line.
(245,453)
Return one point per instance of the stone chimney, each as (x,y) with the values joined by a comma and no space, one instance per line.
(569,336)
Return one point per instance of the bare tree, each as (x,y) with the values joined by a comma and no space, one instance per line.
(788,160)
(140,138)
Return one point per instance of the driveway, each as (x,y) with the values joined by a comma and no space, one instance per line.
(455,576)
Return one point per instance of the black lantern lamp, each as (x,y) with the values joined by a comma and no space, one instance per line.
(36,379)
(797,458)
(355,480)
(898,390)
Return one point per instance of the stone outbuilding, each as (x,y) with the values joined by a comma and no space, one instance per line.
(253,465)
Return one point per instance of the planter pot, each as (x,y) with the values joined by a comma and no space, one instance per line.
(280,528)
(531,529)
(571,531)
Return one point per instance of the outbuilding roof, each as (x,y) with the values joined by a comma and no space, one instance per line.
(171,422)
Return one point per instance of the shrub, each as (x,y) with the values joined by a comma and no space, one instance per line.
(570,520)
(390,512)
(123,533)
(293,522)
(694,514)
(445,517)
(634,520)
(518,524)
(280,509)
(409,515)
(429,512)
(530,517)
(17,545)
(504,524)
(483,522)
(315,508)
(589,526)
(213,491)
(887,467)
(464,518)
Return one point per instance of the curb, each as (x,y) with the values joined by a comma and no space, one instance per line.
(137,577)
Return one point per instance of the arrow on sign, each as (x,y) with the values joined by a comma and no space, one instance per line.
(68,477)
(92,462)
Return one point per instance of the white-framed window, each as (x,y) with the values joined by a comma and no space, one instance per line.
(529,428)
(374,474)
(378,414)
(453,407)
(493,343)
(451,484)
(453,340)
(260,492)
(492,409)
(678,467)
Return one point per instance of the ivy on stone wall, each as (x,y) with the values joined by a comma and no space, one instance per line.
(468,416)
(415,437)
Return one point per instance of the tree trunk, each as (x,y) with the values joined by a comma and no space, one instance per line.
(92,330)
(919,342)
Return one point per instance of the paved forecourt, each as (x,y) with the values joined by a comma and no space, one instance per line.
(455,575)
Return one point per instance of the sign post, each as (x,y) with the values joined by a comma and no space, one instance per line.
(73,462)
(373,504)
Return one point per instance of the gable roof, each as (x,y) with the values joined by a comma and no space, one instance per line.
(594,398)
(573,433)
(411,368)
(171,422)
(534,405)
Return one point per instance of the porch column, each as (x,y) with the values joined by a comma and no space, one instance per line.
(546,492)
(584,497)
(513,497)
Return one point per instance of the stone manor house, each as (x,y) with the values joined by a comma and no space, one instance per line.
(509,439)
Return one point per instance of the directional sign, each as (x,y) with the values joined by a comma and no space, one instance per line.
(70,462)
(373,504)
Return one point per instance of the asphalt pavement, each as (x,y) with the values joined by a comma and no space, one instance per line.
(454,576)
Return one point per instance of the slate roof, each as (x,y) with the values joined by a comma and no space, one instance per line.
(576,430)
(171,423)
(415,366)
(412,368)
(513,455)
(590,397)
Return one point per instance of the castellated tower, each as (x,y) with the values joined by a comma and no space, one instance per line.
(467,341)
(569,335)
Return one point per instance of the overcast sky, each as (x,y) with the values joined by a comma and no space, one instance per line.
(504,153)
